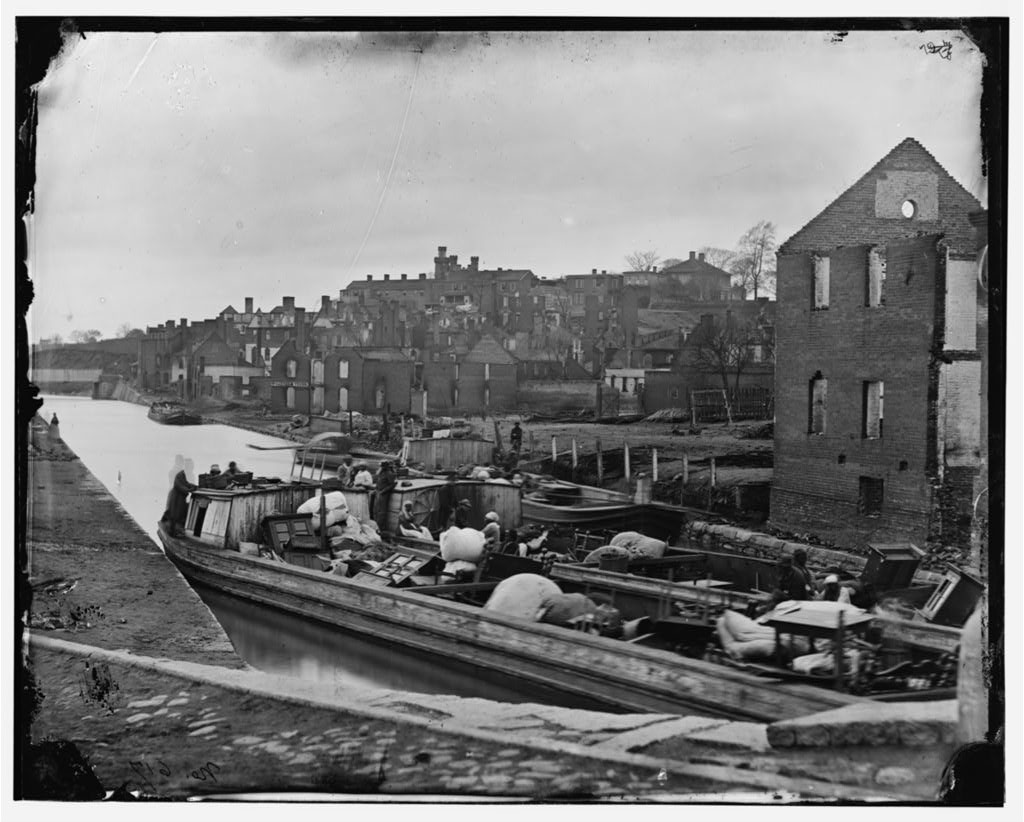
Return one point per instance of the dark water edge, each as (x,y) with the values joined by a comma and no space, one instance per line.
(281,643)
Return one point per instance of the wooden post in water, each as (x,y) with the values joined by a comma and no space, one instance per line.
(654,465)
(713,473)
(625,459)
(575,460)
(600,463)
(554,450)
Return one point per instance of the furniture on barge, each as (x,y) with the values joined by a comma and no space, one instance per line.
(618,674)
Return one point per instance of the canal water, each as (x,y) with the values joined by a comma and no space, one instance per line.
(133,457)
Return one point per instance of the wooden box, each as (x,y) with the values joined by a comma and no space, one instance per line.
(891,566)
(954,598)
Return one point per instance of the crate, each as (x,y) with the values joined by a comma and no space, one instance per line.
(891,566)
(281,528)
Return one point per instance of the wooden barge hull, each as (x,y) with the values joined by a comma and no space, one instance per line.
(176,417)
(617,674)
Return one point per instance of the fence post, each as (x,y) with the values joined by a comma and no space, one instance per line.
(693,411)
(554,450)
(625,458)
(686,469)
(574,457)
(654,465)
(600,463)
(713,477)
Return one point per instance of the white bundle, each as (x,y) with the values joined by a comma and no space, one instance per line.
(639,545)
(334,501)
(522,595)
(466,544)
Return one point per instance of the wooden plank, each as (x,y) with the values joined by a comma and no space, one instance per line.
(631,676)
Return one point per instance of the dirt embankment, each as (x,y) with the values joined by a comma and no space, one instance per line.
(97,578)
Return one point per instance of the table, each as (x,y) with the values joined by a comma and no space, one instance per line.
(820,625)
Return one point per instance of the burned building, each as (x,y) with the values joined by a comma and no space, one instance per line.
(878,371)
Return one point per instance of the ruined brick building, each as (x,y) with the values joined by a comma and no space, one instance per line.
(881,338)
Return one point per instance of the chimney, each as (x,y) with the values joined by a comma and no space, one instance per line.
(300,329)
(248,305)
(423,276)
(455,260)
(170,324)
(500,268)
(184,322)
(604,271)
(693,255)
(593,271)
(289,303)
(405,276)
(441,251)
(701,256)
(369,278)
(387,277)
(474,263)
(325,303)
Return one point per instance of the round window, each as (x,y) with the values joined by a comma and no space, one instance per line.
(909,208)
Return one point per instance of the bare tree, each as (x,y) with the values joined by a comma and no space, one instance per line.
(725,349)
(718,257)
(754,265)
(127,331)
(90,336)
(642,260)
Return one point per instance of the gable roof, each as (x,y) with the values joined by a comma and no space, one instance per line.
(488,351)
(693,267)
(850,218)
(229,310)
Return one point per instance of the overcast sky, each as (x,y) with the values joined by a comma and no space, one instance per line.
(182,172)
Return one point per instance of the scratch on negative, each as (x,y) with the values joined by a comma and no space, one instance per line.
(139,66)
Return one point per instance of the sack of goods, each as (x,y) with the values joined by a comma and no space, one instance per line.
(521,595)
(339,516)
(639,545)
(560,609)
(744,639)
(466,544)
(334,501)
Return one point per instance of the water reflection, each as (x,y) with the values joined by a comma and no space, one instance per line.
(283,643)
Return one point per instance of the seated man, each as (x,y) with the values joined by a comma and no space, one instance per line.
(363,479)
(407,525)
(217,480)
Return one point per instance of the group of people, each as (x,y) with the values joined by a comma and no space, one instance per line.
(217,479)
(795,581)
(358,476)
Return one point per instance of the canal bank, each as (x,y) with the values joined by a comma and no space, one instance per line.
(178,699)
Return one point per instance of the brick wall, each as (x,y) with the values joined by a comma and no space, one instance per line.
(816,482)
(552,396)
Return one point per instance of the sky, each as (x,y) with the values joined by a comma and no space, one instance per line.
(182,172)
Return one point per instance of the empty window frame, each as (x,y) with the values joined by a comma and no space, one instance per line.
(817,401)
(873,398)
(819,295)
(871,496)
(875,287)
(291,369)
(342,369)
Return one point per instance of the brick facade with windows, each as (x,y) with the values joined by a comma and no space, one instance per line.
(874,458)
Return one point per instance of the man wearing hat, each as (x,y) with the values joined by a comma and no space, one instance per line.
(790,583)
(216,479)
(833,591)
(461,514)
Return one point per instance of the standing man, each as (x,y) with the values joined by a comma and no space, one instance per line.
(516,438)
(177,500)
(386,482)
